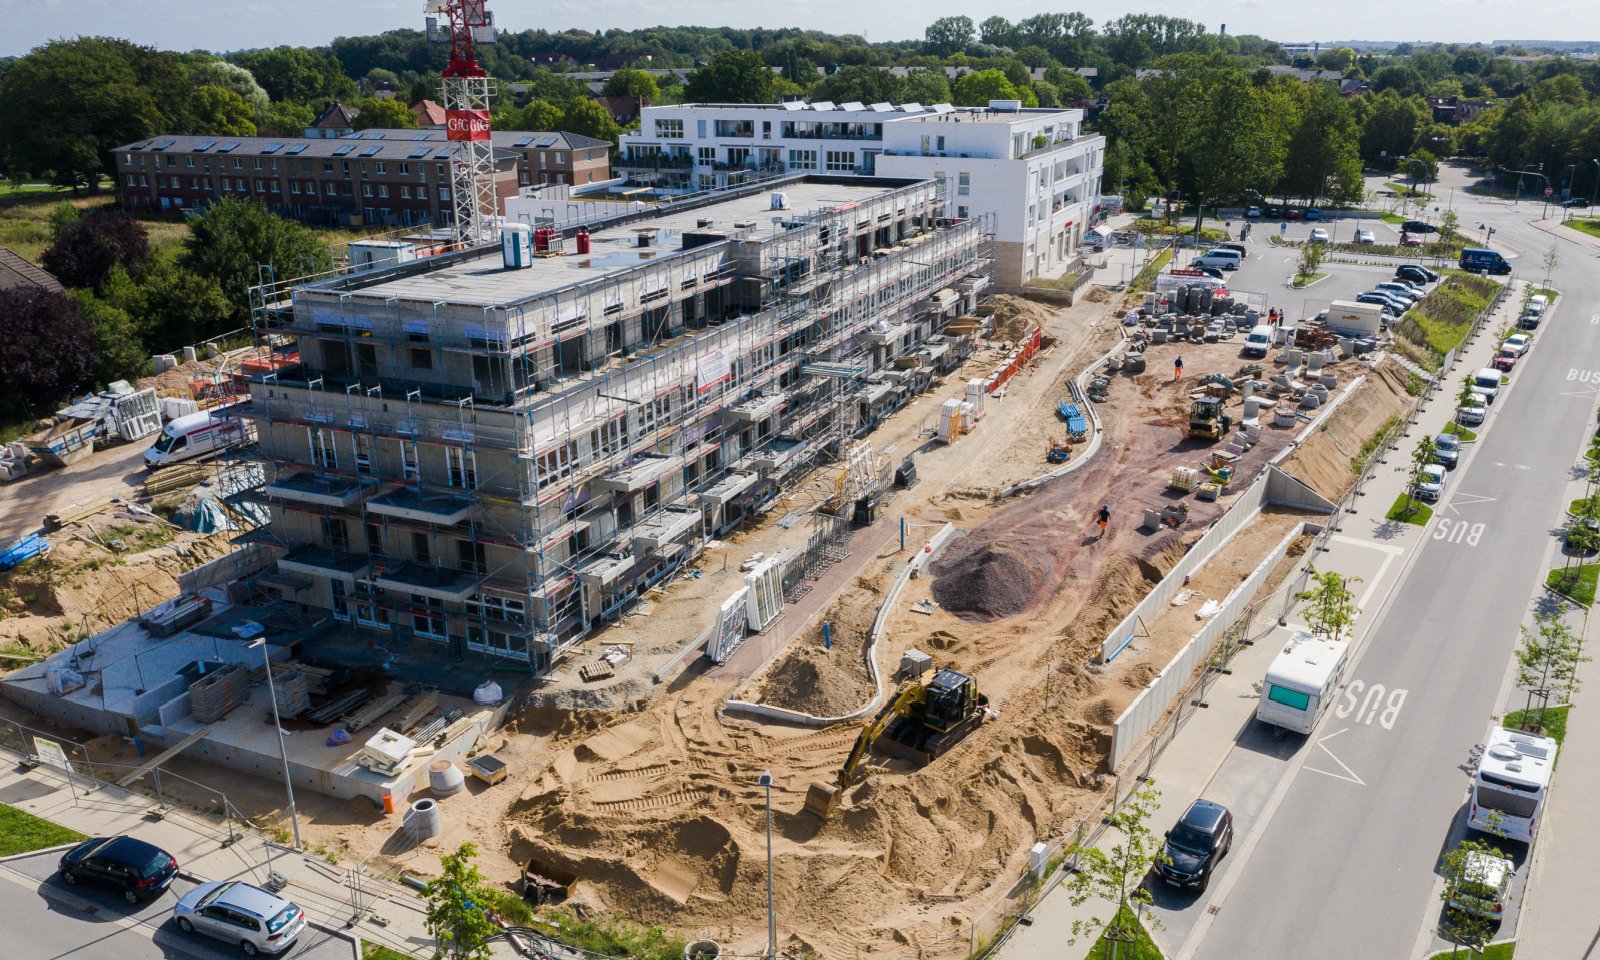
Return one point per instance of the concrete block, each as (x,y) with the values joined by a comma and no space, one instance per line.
(189,355)
(162,362)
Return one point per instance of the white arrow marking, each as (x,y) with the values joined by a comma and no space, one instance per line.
(1469,499)
(1349,775)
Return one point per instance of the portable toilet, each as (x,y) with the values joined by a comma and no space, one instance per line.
(516,246)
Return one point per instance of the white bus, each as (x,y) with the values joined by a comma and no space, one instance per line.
(1301,683)
(1510,784)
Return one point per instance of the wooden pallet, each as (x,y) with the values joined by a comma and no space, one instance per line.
(421,706)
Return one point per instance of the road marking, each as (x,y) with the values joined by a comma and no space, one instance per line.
(1373,706)
(1470,499)
(1459,531)
(1574,375)
(1349,776)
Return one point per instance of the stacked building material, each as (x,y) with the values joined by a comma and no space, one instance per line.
(212,696)
(292,693)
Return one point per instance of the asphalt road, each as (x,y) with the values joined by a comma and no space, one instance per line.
(1345,867)
(44,919)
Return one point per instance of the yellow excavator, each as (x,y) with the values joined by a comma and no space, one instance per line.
(919,723)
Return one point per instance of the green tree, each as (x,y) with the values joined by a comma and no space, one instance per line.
(1547,665)
(1462,870)
(926,87)
(119,352)
(88,247)
(210,71)
(1116,875)
(67,104)
(455,900)
(170,307)
(222,112)
(537,115)
(1330,606)
(732,77)
(384,114)
(1070,85)
(1323,155)
(1449,226)
(1391,128)
(1232,148)
(587,118)
(998,31)
(862,84)
(1421,458)
(948,35)
(46,350)
(632,83)
(285,119)
(295,73)
(233,237)
(1311,256)
(977,88)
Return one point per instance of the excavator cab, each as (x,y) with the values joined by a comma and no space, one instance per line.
(948,699)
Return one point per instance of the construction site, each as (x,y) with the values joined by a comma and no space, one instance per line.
(638,515)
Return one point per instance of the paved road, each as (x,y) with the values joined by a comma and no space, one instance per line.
(43,920)
(1345,865)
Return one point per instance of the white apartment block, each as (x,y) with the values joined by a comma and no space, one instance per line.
(1033,172)
(500,457)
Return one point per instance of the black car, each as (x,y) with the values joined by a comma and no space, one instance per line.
(1417,226)
(1196,845)
(1416,273)
(138,870)
(1211,272)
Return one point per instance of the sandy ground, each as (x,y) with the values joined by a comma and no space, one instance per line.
(105,475)
(1324,460)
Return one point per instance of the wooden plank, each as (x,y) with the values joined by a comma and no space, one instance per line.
(163,756)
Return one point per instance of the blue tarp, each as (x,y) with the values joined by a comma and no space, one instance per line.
(23,550)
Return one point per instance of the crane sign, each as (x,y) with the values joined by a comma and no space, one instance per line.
(467,93)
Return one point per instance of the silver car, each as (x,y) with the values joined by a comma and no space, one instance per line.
(238,912)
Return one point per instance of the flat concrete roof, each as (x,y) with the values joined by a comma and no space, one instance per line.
(483,281)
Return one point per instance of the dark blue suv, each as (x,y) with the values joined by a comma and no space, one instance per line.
(1195,846)
(137,870)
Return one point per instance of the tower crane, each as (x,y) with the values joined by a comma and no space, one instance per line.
(467,90)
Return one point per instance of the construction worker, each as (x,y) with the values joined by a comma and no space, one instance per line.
(1177,370)
(1104,517)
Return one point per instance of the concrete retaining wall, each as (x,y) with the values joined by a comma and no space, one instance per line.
(250,559)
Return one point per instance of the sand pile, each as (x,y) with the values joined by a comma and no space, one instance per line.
(1013,316)
(1324,460)
(989,580)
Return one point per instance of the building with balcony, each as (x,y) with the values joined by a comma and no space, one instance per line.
(498,460)
(1033,171)
(543,157)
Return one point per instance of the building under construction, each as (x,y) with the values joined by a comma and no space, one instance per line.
(498,450)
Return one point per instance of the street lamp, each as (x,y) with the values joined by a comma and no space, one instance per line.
(772,917)
(1595,196)
(283,747)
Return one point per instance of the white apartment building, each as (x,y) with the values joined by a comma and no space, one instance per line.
(1033,172)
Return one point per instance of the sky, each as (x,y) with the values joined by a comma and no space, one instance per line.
(241,24)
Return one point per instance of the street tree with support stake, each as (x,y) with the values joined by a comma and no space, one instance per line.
(1547,661)
(1421,458)
(1117,874)
(1330,606)
(458,902)
(1460,868)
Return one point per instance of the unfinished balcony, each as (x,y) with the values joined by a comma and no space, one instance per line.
(754,410)
(435,583)
(643,473)
(665,534)
(319,490)
(444,510)
(317,561)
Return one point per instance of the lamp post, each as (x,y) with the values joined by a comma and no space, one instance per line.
(772,917)
(283,747)
(1595,196)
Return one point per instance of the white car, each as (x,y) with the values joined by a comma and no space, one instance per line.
(1537,303)
(241,913)
(1431,484)
(1365,236)
(1318,235)
(1483,885)
(1471,415)
(1520,342)
(1400,290)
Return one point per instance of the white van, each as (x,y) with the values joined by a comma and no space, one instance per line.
(1487,382)
(1301,683)
(1537,304)
(1217,259)
(1259,340)
(193,436)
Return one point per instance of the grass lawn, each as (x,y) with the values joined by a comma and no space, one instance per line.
(1555,721)
(1591,227)
(1142,948)
(1495,951)
(1392,218)
(1576,507)
(1441,321)
(377,951)
(1575,583)
(1466,435)
(22,832)
(1147,276)
(25,219)
(1415,512)
(1401,190)
(1300,281)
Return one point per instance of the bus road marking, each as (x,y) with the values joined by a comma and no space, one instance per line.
(1459,531)
(1349,776)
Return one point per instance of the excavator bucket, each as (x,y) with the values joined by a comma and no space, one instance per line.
(821,798)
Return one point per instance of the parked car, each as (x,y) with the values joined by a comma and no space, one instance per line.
(1197,844)
(1318,235)
(1409,240)
(1238,248)
(1291,213)
(1482,887)
(1211,272)
(137,870)
(1406,291)
(1416,273)
(1274,211)
(1505,359)
(1418,226)
(1576,202)
(1253,212)
(1399,304)
(1365,236)
(1529,320)
(1312,213)
(1519,342)
(241,913)
(1471,415)
(1537,304)
(1431,484)
(1390,311)
(1486,380)
(1447,450)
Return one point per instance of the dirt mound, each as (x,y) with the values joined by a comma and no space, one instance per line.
(1014,315)
(992,580)
(812,678)
(1324,460)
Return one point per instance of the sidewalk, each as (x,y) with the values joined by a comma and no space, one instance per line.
(320,888)
(1365,544)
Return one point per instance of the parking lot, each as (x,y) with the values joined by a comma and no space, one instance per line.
(45,918)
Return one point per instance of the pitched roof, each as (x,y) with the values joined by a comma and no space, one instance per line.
(429,114)
(504,139)
(414,145)
(336,116)
(17,271)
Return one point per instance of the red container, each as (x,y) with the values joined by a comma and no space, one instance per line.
(541,238)
(583,239)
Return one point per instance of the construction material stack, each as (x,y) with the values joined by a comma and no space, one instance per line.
(291,693)
(216,694)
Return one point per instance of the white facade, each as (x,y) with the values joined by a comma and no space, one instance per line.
(1032,171)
